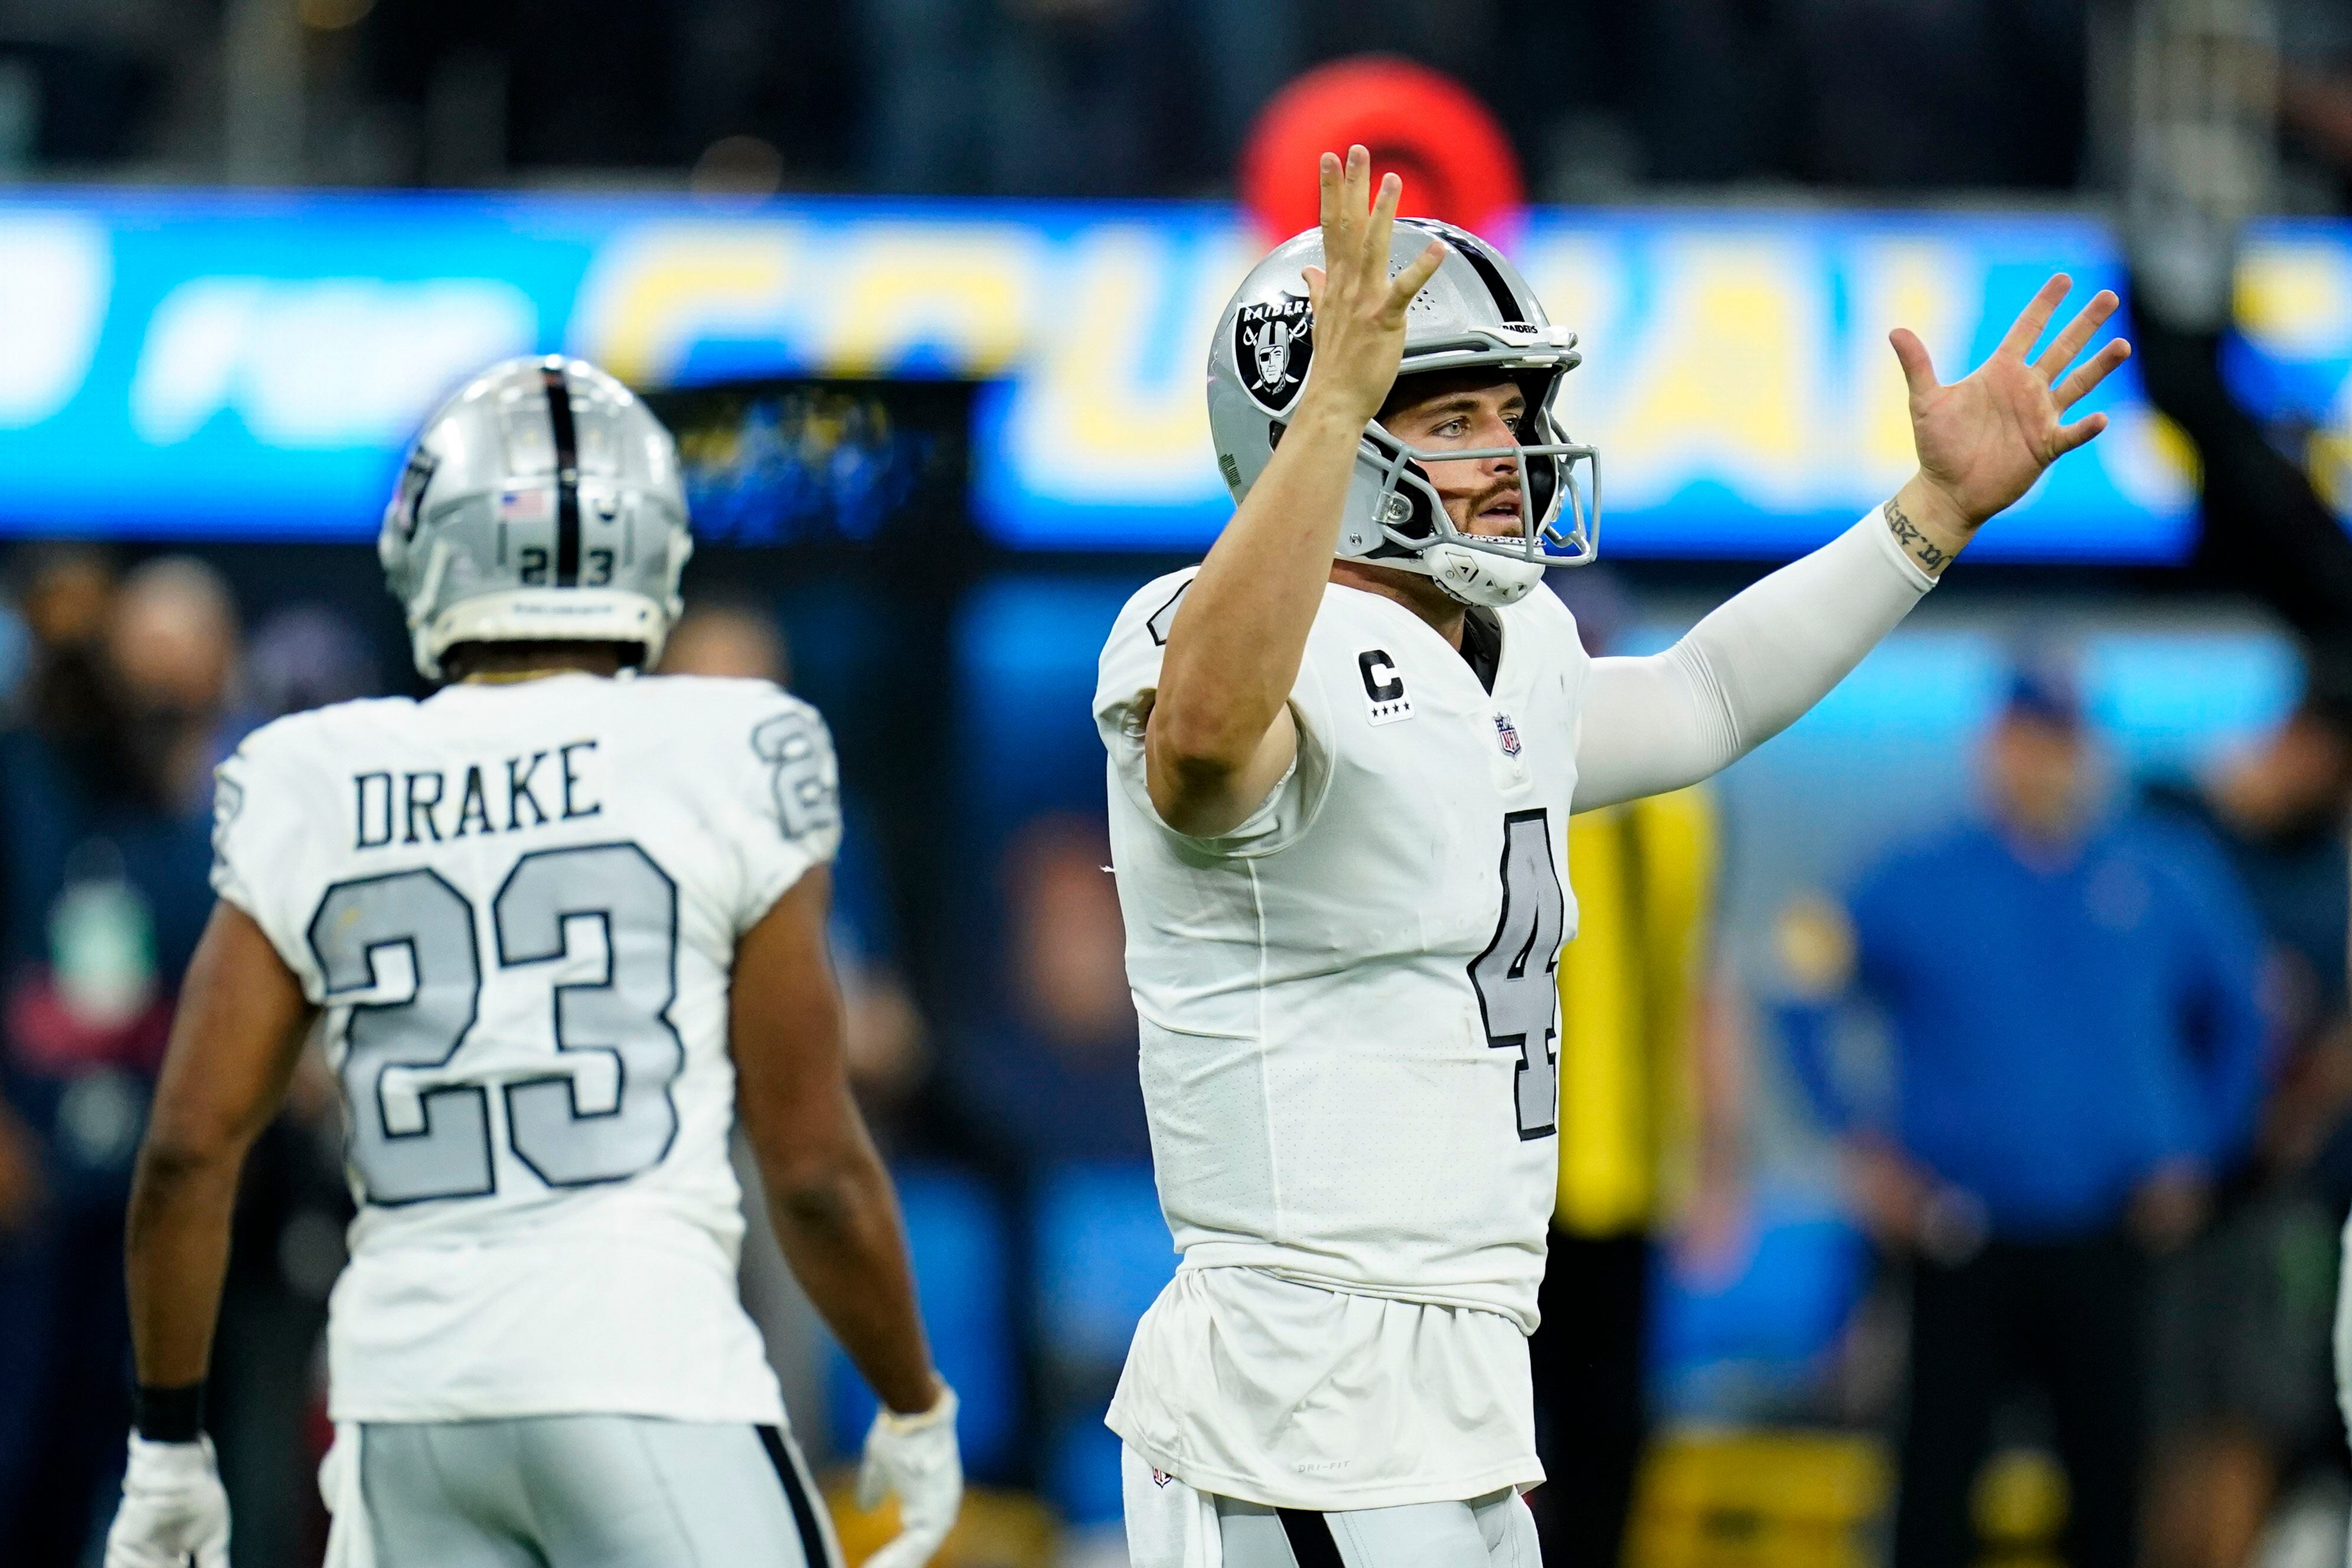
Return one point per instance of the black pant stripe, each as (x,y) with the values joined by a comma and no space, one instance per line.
(803,1508)
(1311,1541)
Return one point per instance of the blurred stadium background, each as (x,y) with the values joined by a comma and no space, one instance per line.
(924,286)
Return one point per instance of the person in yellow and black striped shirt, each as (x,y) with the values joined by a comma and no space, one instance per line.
(1646,1123)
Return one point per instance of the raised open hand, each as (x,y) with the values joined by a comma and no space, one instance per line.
(1358,307)
(1984,439)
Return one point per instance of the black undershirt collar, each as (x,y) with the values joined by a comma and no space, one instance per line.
(1481,644)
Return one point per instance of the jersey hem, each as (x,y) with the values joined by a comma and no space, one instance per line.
(1519,1473)
(1411,1296)
(524,1407)
(443,1366)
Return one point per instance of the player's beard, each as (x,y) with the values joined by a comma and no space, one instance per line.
(1472,513)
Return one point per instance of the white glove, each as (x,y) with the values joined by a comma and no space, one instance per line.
(173,1508)
(915,1457)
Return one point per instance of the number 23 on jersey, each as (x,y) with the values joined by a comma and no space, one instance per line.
(409,1146)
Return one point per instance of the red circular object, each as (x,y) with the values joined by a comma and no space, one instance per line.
(1434,132)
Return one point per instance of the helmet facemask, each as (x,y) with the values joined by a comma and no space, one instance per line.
(1559,509)
(1475,315)
(1559,506)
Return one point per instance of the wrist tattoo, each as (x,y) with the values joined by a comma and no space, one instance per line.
(1932,557)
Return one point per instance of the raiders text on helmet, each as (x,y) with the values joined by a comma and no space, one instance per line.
(1476,314)
(542,503)
(1272,345)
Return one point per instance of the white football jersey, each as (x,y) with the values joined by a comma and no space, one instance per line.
(1349,1022)
(517,906)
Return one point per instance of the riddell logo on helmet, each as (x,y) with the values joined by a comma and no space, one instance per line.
(1272,343)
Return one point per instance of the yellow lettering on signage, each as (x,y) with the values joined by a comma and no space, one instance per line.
(1726,378)
(2294,297)
(1581,280)
(1113,410)
(654,291)
(2149,460)
(2294,301)
(965,291)
(1937,291)
(2327,458)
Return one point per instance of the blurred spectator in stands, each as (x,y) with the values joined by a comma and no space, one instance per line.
(884,1031)
(287,1247)
(1893,95)
(104,854)
(1050,1073)
(1070,98)
(305,657)
(174,643)
(1123,97)
(721,637)
(1048,1068)
(92,81)
(1649,1130)
(2314,93)
(2078,1055)
(2242,1388)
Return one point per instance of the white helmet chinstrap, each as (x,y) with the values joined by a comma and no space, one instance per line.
(1476,314)
(542,503)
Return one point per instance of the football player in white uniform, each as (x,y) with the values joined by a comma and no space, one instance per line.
(561,926)
(1343,751)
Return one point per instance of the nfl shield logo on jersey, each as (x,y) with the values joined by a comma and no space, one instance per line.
(1507,733)
(1272,343)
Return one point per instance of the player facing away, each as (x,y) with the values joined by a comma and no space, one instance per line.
(561,926)
(1343,749)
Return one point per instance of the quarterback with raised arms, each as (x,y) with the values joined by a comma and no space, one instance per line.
(1343,751)
(561,927)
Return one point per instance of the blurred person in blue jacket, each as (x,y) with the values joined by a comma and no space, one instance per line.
(1047,1065)
(2079,1048)
(105,846)
(266,1394)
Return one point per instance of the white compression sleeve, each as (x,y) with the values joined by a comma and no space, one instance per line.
(1745,672)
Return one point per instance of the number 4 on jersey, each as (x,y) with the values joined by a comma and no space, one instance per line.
(1514,976)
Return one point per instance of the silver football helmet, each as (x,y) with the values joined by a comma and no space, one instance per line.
(542,503)
(1476,313)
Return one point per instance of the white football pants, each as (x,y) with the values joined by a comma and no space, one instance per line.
(586,1491)
(1169,1525)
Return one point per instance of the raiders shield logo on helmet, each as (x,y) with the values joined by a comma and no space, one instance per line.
(1272,343)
